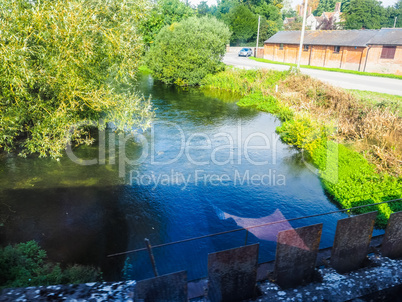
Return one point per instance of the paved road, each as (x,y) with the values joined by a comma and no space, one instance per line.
(344,80)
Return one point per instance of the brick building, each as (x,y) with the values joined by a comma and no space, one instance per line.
(378,50)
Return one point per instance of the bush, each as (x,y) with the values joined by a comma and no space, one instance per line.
(67,63)
(25,265)
(185,52)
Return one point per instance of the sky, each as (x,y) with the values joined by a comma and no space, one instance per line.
(295,2)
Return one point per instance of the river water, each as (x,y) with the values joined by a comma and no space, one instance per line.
(206,166)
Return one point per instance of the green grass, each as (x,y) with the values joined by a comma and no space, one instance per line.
(379,99)
(392,76)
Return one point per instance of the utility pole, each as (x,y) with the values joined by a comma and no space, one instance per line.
(258,35)
(395,21)
(302,33)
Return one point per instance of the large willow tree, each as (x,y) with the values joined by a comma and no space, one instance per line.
(64,64)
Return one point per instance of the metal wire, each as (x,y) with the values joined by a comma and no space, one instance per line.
(252,227)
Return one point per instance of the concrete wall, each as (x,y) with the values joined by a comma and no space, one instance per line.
(376,64)
(351,58)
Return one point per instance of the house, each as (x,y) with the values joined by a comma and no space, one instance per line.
(330,20)
(312,22)
(327,20)
(378,50)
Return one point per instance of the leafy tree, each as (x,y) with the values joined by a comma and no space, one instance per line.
(223,7)
(268,28)
(393,12)
(242,17)
(61,65)
(243,23)
(313,4)
(325,6)
(345,5)
(203,8)
(25,264)
(295,25)
(185,52)
(164,12)
(269,11)
(367,14)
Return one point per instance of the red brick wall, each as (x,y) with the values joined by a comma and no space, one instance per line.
(323,56)
(376,64)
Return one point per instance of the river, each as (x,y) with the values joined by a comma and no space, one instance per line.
(206,166)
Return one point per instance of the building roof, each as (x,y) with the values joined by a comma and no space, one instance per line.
(289,20)
(325,37)
(387,36)
(360,38)
(328,14)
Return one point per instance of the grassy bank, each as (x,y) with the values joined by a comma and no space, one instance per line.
(393,102)
(372,74)
(354,145)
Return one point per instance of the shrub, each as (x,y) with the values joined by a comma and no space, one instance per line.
(67,63)
(25,264)
(185,52)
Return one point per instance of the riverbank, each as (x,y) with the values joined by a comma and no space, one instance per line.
(355,146)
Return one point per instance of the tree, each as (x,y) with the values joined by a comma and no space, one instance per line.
(345,5)
(164,12)
(243,23)
(325,6)
(268,29)
(26,264)
(393,12)
(185,52)
(61,65)
(367,14)
(295,25)
(203,8)
(223,7)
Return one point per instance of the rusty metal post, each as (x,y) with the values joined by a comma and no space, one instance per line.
(232,274)
(351,243)
(151,256)
(296,255)
(392,240)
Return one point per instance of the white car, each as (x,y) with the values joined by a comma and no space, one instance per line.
(245,52)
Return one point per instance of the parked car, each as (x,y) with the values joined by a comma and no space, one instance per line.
(245,52)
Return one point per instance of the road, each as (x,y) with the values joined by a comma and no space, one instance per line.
(343,80)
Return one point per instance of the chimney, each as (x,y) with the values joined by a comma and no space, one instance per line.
(337,7)
(309,10)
